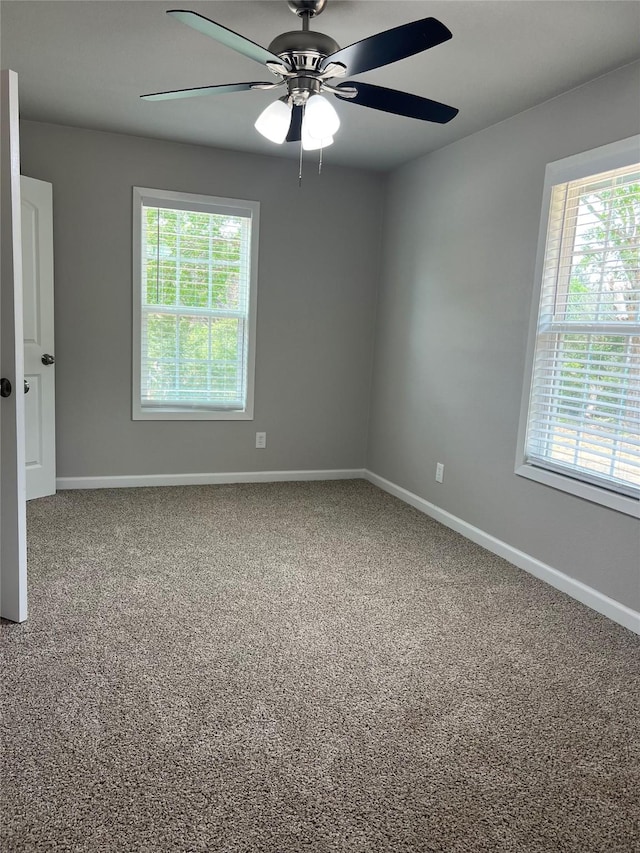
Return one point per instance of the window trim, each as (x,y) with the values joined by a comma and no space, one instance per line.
(204,203)
(603,159)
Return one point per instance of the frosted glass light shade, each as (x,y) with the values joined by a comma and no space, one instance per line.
(320,117)
(273,122)
(310,143)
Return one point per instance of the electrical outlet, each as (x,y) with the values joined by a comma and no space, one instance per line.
(439,472)
(261,440)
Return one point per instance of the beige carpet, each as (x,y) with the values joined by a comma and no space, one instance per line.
(305,667)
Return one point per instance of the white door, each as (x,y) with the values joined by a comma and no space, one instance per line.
(13,527)
(39,368)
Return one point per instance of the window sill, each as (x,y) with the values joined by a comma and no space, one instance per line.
(168,414)
(604,497)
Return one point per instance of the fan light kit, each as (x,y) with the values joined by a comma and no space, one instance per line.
(309,63)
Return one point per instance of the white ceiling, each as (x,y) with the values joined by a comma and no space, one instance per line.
(84,63)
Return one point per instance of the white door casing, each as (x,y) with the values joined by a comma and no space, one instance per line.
(37,290)
(13,526)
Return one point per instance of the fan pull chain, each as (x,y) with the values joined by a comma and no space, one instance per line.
(301,148)
(300,168)
(320,161)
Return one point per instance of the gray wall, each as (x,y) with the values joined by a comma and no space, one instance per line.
(318,268)
(460,245)
(459,248)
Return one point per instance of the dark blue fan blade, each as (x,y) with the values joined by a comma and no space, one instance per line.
(225,36)
(202,90)
(295,128)
(390,46)
(399,103)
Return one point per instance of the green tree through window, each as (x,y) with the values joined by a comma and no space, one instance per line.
(195,298)
(585,405)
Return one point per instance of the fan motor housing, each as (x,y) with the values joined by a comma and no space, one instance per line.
(303,51)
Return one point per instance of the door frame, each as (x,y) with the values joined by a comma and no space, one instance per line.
(13,523)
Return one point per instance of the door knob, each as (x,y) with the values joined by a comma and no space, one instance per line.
(47,359)
(26,387)
(5,387)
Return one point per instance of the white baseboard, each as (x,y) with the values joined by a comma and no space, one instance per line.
(136,480)
(614,610)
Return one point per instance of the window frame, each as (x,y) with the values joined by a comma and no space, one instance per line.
(606,158)
(199,203)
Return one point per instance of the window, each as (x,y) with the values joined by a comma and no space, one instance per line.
(194,273)
(580,429)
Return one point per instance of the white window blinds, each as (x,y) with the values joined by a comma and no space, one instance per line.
(584,411)
(196,304)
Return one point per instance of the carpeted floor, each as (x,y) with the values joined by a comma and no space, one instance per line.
(305,667)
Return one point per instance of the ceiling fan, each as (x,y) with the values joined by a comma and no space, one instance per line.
(307,64)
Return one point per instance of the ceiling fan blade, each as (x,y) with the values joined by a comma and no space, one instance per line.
(400,103)
(224,36)
(295,128)
(203,90)
(390,46)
